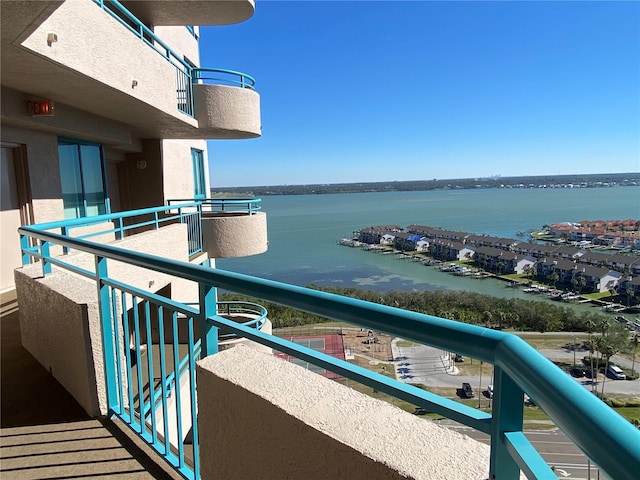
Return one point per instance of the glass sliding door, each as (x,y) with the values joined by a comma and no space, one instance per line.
(200,186)
(82,178)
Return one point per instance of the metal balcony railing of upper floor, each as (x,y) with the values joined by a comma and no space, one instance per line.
(121,224)
(606,438)
(186,74)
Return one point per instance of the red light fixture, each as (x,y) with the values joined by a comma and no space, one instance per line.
(41,108)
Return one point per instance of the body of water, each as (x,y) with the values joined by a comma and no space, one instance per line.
(304,231)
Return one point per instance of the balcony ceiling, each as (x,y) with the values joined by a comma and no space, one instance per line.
(191,12)
(41,78)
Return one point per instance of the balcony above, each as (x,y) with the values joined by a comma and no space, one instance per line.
(192,12)
(228,235)
(225,104)
(142,85)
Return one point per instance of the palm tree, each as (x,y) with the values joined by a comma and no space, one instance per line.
(608,351)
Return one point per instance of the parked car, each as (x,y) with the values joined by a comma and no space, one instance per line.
(578,372)
(615,373)
(490,390)
(467,391)
(458,358)
(420,411)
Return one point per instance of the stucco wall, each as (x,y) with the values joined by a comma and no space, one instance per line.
(262,417)
(177,167)
(181,41)
(59,318)
(234,112)
(227,236)
(59,326)
(96,45)
(44,168)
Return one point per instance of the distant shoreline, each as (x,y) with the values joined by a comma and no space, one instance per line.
(603,180)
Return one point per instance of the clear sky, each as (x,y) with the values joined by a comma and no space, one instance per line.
(414,90)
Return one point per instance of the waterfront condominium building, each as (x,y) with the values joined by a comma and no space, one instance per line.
(109,242)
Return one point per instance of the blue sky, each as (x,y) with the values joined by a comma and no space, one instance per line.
(393,90)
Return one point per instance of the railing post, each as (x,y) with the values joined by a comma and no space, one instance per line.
(507,416)
(107,333)
(64,231)
(208,333)
(24,247)
(46,253)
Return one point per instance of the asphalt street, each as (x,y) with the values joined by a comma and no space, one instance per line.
(430,366)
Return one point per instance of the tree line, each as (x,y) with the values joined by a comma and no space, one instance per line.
(464,306)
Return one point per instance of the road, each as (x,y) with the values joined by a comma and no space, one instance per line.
(429,366)
(554,446)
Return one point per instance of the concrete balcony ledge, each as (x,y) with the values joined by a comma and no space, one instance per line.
(303,425)
(227,112)
(227,235)
(192,12)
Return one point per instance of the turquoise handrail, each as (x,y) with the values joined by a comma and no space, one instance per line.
(248,205)
(220,76)
(583,417)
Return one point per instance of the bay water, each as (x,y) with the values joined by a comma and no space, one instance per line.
(304,231)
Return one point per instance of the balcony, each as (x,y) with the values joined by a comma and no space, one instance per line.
(201,433)
(192,12)
(139,81)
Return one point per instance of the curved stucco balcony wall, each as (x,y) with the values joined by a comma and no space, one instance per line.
(226,112)
(234,235)
(192,12)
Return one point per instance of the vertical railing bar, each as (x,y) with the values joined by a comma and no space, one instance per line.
(64,231)
(116,337)
(147,313)
(507,416)
(163,383)
(46,253)
(136,329)
(176,389)
(25,247)
(194,405)
(127,353)
(107,332)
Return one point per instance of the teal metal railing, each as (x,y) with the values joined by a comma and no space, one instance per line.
(605,437)
(121,224)
(219,76)
(186,75)
(248,205)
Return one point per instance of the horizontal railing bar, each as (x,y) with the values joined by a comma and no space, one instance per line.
(527,457)
(245,81)
(451,409)
(65,265)
(107,217)
(152,297)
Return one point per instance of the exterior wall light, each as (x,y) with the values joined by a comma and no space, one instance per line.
(51,38)
(134,83)
(41,108)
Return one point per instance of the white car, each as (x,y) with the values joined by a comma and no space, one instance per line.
(615,373)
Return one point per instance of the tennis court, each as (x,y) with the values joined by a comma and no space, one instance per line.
(329,344)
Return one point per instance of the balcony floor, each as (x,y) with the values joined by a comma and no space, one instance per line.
(44,433)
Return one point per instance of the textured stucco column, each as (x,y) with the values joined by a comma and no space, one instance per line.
(262,417)
(234,235)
